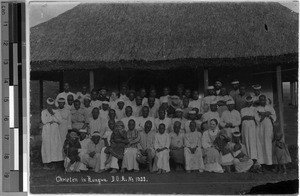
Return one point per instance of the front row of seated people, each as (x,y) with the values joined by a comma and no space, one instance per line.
(213,151)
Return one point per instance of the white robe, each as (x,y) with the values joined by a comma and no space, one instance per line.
(81,96)
(96,104)
(265,134)
(233,117)
(141,122)
(137,110)
(249,132)
(206,101)
(161,141)
(120,113)
(87,113)
(104,114)
(78,119)
(52,148)
(193,161)
(65,124)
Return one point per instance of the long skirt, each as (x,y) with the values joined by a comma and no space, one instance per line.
(281,155)
(163,160)
(177,156)
(129,159)
(242,166)
(265,135)
(249,138)
(112,164)
(63,130)
(193,161)
(52,149)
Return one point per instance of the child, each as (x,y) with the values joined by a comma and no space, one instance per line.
(281,155)
(71,150)
(222,144)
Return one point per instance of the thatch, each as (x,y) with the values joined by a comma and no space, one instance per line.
(148,35)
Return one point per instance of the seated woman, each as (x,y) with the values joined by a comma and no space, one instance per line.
(130,154)
(222,143)
(242,162)
(118,142)
(192,150)
(71,150)
(212,158)
(161,146)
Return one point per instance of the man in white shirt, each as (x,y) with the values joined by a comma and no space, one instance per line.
(196,101)
(166,95)
(95,103)
(81,95)
(163,119)
(145,117)
(129,116)
(96,123)
(137,108)
(230,119)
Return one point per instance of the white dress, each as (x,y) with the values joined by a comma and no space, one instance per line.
(249,132)
(52,148)
(193,161)
(161,141)
(65,124)
(265,135)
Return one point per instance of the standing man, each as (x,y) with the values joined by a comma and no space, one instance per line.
(195,101)
(65,114)
(95,103)
(166,95)
(240,98)
(208,99)
(81,95)
(77,116)
(218,86)
(235,91)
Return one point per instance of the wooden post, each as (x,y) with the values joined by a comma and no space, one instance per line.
(41,94)
(280,102)
(296,93)
(205,74)
(292,92)
(61,81)
(92,80)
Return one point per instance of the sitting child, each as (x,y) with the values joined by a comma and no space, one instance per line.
(71,149)
(222,144)
(241,162)
(281,155)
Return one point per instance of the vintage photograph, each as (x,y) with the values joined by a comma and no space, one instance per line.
(164,98)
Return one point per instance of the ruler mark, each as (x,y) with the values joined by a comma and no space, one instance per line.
(11,107)
(16,149)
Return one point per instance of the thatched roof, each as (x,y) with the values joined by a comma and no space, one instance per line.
(147,35)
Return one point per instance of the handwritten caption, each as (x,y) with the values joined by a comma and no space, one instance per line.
(95,180)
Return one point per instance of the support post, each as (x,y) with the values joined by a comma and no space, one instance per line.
(92,80)
(280,102)
(205,74)
(292,92)
(41,94)
(61,81)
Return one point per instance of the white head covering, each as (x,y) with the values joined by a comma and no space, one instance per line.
(236,134)
(82,131)
(165,100)
(50,101)
(61,100)
(120,100)
(105,102)
(235,82)
(87,97)
(210,88)
(213,102)
(256,87)
(96,133)
(174,97)
(248,100)
(192,112)
(179,109)
(229,102)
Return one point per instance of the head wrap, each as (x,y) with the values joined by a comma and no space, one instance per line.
(256,87)
(213,103)
(236,134)
(105,102)
(210,88)
(120,100)
(248,99)
(192,112)
(82,131)
(50,101)
(178,110)
(174,97)
(235,82)
(87,97)
(229,102)
(61,100)
(96,133)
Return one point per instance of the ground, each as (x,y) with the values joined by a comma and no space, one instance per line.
(43,181)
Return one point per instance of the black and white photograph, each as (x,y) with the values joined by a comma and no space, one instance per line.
(163,97)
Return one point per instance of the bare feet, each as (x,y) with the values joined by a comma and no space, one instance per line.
(122,170)
(113,171)
(159,171)
(188,171)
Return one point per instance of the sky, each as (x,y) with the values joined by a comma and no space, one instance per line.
(43,11)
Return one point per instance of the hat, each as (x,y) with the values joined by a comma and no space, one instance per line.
(192,112)
(249,99)
(87,97)
(105,102)
(72,130)
(210,88)
(229,102)
(236,134)
(61,100)
(213,102)
(256,87)
(235,82)
(165,100)
(178,110)
(82,131)
(50,101)
(96,133)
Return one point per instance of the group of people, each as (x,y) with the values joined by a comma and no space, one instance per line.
(220,132)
